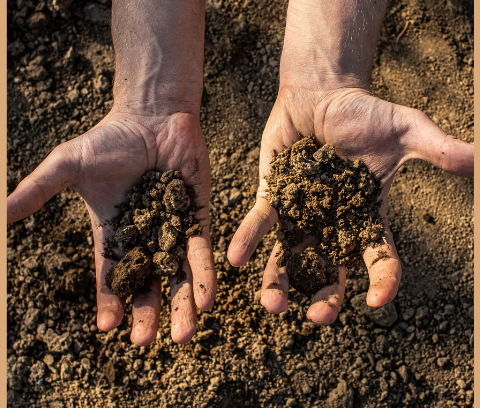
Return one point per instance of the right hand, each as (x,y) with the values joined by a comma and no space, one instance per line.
(102,165)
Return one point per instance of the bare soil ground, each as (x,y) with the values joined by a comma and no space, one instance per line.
(417,351)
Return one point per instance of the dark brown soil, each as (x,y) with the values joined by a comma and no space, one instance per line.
(319,195)
(152,228)
(308,274)
(130,273)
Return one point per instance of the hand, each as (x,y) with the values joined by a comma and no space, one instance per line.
(102,165)
(154,125)
(324,80)
(360,126)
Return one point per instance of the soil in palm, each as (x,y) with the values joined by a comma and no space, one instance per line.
(151,228)
(321,196)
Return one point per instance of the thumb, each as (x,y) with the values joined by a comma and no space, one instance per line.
(259,220)
(55,173)
(428,142)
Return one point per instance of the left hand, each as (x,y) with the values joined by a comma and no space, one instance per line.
(360,126)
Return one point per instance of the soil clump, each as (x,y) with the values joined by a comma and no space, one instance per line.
(151,228)
(317,194)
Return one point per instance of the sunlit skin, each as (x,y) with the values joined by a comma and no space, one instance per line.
(324,90)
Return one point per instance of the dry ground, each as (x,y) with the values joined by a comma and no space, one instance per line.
(418,353)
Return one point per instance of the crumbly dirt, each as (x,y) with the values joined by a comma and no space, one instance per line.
(308,274)
(333,201)
(152,228)
(59,76)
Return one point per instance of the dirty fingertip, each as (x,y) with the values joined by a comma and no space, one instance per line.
(182,332)
(322,312)
(143,335)
(108,320)
(205,296)
(274,300)
(377,296)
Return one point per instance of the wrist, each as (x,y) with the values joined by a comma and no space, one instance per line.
(330,45)
(158,55)
(160,100)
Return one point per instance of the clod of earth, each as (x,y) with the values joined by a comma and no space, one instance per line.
(130,272)
(317,194)
(306,272)
(152,229)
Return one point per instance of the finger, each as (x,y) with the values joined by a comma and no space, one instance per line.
(260,219)
(54,174)
(428,142)
(200,258)
(384,270)
(275,284)
(184,315)
(327,301)
(110,308)
(145,314)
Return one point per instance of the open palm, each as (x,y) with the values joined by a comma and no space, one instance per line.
(360,126)
(102,165)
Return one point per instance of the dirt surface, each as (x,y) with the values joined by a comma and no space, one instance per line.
(331,201)
(417,351)
(152,228)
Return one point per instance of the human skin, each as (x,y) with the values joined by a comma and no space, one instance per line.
(153,125)
(324,90)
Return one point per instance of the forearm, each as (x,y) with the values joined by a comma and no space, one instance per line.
(158,54)
(330,43)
